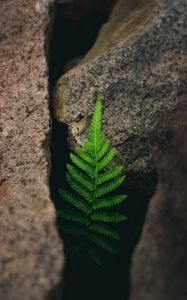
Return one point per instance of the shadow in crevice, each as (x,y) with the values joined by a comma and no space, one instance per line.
(71,40)
(84,280)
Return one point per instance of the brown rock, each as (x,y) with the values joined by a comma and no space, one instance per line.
(30,250)
(159,268)
(139,69)
(127,18)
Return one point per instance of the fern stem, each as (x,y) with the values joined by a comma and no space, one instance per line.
(95,166)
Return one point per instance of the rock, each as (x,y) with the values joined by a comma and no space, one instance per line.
(159,268)
(140,75)
(127,18)
(31,252)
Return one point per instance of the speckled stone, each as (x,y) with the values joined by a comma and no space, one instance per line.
(139,80)
(159,268)
(31,253)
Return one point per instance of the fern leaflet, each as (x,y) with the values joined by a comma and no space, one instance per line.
(106,230)
(108,217)
(109,175)
(109,201)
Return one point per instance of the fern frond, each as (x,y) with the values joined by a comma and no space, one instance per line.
(78,188)
(106,160)
(73,216)
(94,255)
(100,143)
(85,156)
(108,217)
(109,174)
(103,242)
(81,178)
(75,201)
(109,201)
(95,125)
(103,150)
(94,133)
(82,165)
(110,186)
(89,147)
(105,229)
(89,182)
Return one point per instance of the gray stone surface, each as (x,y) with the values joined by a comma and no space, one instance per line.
(126,18)
(139,80)
(31,253)
(159,268)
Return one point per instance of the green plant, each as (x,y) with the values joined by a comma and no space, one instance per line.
(89,182)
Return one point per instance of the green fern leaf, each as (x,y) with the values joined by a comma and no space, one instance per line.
(73,216)
(82,165)
(94,133)
(99,145)
(108,217)
(75,201)
(95,126)
(106,230)
(85,156)
(106,160)
(103,150)
(89,181)
(109,201)
(110,186)
(78,188)
(81,178)
(89,147)
(103,242)
(109,174)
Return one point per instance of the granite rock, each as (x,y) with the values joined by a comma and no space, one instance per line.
(140,78)
(31,252)
(159,268)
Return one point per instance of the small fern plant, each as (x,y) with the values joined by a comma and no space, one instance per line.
(89,194)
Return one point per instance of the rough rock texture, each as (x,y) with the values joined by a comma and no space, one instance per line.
(31,256)
(127,18)
(159,269)
(139,80)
